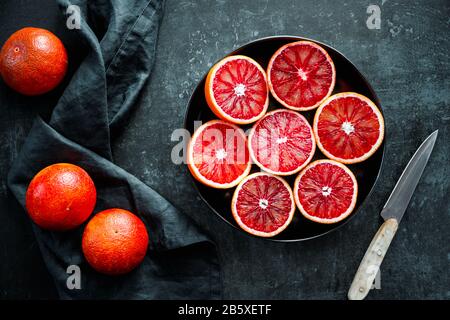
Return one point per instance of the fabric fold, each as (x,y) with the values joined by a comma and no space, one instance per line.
(181,262)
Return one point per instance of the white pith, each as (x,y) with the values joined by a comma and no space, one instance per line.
(221,154)
(347,127)
(281,140)
(239,89)
(302,74)
(263,203)
(326,191)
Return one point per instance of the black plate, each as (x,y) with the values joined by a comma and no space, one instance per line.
(348,78)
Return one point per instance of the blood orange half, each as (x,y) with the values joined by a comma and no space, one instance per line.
(325,191)
(218,154)
(263,204)
(282,142)
(348,127)
(236,90)
(301,75)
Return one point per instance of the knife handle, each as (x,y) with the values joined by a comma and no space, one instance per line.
(371,262)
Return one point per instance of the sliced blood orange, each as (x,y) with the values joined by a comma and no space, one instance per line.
(348,127)
(263,204)
(218,155)
(282,142)
(236,90)
(301,75)
(325,191)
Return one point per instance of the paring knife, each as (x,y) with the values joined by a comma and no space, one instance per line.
(392,213)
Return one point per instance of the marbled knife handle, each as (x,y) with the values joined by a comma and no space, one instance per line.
(372,260)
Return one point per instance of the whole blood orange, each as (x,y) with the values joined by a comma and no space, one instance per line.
(348,127)
(301,75)
(325,191)
(263,204)
(33,61)
(236,90)
(217,154)
(115,241)
(60,197)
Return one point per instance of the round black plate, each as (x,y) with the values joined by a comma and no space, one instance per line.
(348,78)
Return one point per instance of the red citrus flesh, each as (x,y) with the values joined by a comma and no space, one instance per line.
(282,142)
(263,204)
(301,75)
(218,155)
(60,197)
(348,127)
(236,90)
(115,241)
(325,191)
(33,61)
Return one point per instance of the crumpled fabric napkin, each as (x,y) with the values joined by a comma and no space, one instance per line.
(181,262)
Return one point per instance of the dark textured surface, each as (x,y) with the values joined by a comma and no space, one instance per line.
(408,65)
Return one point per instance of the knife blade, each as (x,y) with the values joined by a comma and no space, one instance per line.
(392,213)
(398,201)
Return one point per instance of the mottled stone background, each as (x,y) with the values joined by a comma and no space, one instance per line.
(406,61)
